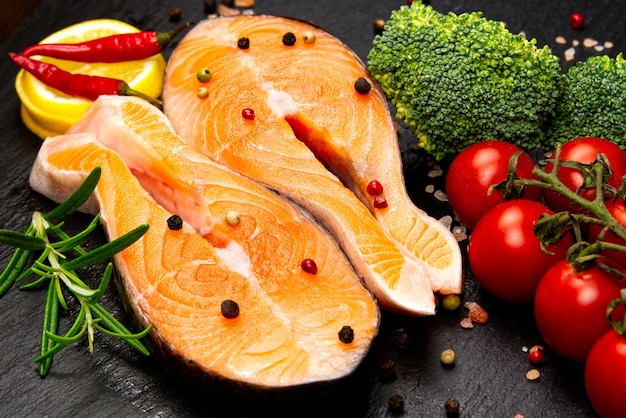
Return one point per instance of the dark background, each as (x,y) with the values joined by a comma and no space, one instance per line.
(489,376)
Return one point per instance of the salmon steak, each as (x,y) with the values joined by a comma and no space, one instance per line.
(227,290)
(288,105)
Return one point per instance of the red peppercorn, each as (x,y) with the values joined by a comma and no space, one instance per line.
(248,113)
(536,354)
(380,202)
(374,188)
(309,266)
(576,20)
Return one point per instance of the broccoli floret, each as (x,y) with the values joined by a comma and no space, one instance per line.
(593,101)
(460,79)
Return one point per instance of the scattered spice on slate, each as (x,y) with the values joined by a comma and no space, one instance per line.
(203,75)
(248,113)
(388,370)
(243,43)
(396,403)
(210,6)
(362,86)
(202,93)
(175,14)
(536,354)
(533,374)
(379,25)
(232,218)
(448,356)
(380,202)
(309,37)
(374,188)
(346,334)
(400,338)
(174,222)
(230,309)
(452,407)
(289,39)
(309,266)
(576,20)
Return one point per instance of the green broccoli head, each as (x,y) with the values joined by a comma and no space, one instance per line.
(593,101)
(460,79)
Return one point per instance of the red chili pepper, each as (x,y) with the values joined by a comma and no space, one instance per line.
(114,48)
(81,85)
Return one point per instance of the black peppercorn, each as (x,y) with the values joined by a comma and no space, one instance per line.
(243,43)
(289,39)
(388,370)
(174,222)
(452,407)
(362,86)
(175,13)
(396,403)
(346,335)
(230,309)
(210,6)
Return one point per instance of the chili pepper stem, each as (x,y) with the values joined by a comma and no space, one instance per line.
(164,38)
(125,90)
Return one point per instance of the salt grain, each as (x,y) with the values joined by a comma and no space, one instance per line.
(569,54)
(560,40)
(599,48)
(446,221)
(430,188)
(467,323)
(533,374)
(608,44)
(437,172)
(575,42)
(589,43)
(439,195)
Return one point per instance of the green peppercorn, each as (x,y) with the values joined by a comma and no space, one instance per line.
(203,93)
(204,75)
(309,37)
(232,218)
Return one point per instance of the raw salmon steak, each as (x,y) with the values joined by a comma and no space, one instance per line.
(293,108)
(238,242)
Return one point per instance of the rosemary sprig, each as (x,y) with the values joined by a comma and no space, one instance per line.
(58,257)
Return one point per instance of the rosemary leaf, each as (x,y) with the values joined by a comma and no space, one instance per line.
(13,269)
(104,283)
(50,323)
(69,243)
(107,250)
(77,198)
(19,240)
(114,326)
(77,330)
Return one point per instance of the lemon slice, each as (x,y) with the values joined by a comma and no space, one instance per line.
(48,112)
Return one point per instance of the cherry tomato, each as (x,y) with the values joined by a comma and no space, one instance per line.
(504,253)
(478,167)
(605,369)
(584,151)
(570,308)
(617,208)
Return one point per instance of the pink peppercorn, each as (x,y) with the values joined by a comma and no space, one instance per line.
(248,113)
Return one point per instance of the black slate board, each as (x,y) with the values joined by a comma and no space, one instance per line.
(489,376)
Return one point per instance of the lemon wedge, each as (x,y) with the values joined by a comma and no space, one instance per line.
(48,112)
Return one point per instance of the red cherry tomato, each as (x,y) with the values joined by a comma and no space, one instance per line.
(605,369)
(477,168)
(584,151)
(504,253)
(618,210)
(570,308)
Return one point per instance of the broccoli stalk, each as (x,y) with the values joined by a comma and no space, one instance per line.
(460,79)
(593,101)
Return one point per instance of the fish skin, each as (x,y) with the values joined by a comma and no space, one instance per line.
(176,280)
(306,144)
